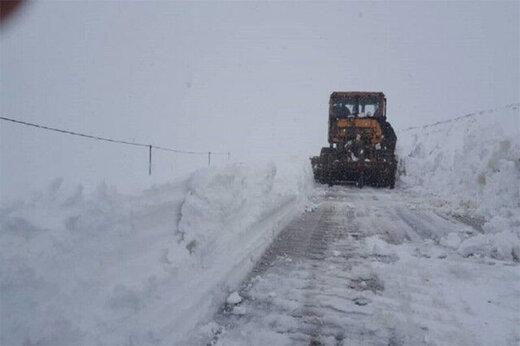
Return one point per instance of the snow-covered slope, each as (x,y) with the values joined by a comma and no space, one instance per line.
(111,269)
(473,164)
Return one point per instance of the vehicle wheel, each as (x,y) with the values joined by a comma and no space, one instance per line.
(361,181)
(391,181)
(378,182)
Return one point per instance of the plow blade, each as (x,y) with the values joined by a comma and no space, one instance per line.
(332,170)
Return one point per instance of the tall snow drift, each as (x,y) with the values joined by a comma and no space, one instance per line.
(473,163)
(112,269)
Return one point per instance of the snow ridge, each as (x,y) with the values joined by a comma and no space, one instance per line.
(113,269)
(473,166)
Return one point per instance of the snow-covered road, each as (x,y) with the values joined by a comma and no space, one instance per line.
(372,267)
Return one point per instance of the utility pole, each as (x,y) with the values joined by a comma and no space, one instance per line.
(150,160)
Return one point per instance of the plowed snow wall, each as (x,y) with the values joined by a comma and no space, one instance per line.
(113,269)
(473,164)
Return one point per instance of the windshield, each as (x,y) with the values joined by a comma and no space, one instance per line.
(355,107)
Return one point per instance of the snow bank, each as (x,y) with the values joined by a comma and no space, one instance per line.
(113,269)
(473,163)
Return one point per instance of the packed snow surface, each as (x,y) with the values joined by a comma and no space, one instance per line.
(472,165)
(113,269)
(363,268)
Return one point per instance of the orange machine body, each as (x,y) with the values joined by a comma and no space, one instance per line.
(365,127)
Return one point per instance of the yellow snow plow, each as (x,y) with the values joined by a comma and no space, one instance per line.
(361,142)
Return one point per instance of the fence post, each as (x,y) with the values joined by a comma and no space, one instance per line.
(209,158)
(228,155)
(150,160)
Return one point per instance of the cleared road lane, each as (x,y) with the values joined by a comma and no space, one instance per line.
(372,267)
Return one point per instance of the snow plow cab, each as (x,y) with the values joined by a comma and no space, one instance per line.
(361,142)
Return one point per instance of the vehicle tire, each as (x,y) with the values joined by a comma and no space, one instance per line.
(361,181)
(378,182)
(391,181)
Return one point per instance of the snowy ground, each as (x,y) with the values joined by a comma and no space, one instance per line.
(113,269)
(372,267)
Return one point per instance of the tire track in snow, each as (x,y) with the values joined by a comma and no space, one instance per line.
(322,282)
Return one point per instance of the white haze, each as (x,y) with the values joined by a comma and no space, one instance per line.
(249,78)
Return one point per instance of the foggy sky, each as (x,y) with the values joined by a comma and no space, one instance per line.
(250,78)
